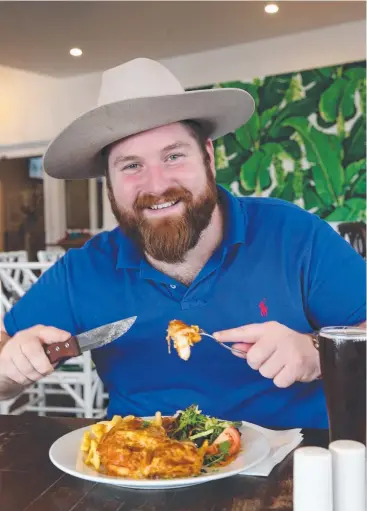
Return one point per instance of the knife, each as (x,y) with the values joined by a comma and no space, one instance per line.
(90,340)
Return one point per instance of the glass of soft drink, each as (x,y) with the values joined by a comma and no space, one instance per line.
(343,368)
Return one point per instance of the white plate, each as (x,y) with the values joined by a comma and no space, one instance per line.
(66,455)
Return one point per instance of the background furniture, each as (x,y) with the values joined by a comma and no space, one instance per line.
(75,388)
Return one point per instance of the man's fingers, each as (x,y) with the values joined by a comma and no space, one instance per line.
(272,367)
(260,353)
(16,376)
(49,334)
(23,365)
(276,351)
(242,348)
(285,378)
(23,359)
(36,356)
(247,334)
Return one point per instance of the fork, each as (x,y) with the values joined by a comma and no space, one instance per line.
(233,350)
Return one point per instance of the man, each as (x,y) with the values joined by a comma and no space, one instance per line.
(262,273)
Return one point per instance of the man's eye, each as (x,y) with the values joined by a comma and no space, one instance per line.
(130,167)
(174,157)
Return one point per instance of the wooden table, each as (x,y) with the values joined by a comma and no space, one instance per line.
(30,482)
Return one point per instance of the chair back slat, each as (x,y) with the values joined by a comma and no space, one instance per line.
(355,234)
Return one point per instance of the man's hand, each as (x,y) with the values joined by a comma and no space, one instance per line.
(276,351)
(22,357)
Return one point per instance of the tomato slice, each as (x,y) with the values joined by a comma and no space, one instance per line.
(230,435)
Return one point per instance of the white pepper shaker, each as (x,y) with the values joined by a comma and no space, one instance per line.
(312,488)
(349,475)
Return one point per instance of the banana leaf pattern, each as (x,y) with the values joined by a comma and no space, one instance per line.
(305,143)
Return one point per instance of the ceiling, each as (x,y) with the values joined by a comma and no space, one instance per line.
(37,36)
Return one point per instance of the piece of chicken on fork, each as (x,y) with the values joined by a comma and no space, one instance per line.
(183,337)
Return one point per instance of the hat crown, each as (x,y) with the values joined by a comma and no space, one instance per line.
(137,78)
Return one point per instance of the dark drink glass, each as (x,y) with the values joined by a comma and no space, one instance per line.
(343,369)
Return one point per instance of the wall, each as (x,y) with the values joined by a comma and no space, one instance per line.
(25,114)
(34,108)
(306,50)
(44,105)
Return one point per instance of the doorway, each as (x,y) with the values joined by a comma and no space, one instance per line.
(22,225)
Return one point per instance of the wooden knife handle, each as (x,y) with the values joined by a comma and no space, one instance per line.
(61,351)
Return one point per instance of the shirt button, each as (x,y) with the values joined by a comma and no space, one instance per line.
(173,286)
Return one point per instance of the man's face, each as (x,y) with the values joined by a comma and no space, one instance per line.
(162,190)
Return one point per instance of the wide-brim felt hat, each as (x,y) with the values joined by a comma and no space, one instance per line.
(134,97)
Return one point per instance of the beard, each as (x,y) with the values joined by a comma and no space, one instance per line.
(168,239)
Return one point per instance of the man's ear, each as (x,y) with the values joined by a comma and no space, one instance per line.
(210,150)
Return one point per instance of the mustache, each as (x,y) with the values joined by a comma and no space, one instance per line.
(148,200)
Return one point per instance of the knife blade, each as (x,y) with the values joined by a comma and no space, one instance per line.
(59,352)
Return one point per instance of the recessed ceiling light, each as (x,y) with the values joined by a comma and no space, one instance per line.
(271,8)
(76,52)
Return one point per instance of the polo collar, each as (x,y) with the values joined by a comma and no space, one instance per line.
(128,254)
(235,218)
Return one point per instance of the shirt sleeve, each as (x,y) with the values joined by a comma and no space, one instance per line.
(335,280)
(47,303)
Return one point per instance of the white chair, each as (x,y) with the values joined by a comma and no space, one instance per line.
(50,256)
(77,378)
(16,274)
(82,385)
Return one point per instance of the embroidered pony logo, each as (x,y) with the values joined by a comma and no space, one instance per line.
(263,308)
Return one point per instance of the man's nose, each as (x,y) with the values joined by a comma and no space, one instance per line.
(157,180)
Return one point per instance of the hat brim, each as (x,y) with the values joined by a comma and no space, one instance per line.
(76,152)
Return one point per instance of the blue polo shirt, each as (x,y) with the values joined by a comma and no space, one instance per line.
(277,262)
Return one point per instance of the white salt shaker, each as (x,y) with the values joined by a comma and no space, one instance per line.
(349,475)
(312,490)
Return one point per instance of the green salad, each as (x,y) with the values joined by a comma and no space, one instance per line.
(192,425)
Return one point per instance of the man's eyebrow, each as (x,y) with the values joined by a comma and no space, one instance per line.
(132,157)
(176,145)
(122,159)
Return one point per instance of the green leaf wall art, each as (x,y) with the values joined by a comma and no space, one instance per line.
(306,142)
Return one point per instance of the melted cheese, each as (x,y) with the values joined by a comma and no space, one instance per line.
(136,450)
